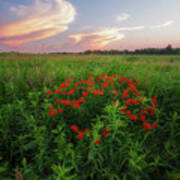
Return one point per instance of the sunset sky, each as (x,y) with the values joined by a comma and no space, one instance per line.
(78,25)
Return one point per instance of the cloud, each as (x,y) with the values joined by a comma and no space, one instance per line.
(168,23)
(41,20)
(122,17)
(100,38)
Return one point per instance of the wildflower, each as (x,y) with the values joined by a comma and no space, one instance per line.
(128,101)
(115,76)
(76,105)
(83,81)
(51,108)
(81,135)
(68,80)
(152,110)
(154,100)
(125,94)
(97,141)
(87,130)
(142,118)
(112,83)
(115,92)
(96,93)
(76,85)
(52,113)
(90,78)
(105,84)
(60,110)
(124,107)
(103,75)
(56,91)
(154,125)
(85,93)
(128,112)
(48,92)
(74,128)
(146,126)
(135,102)
(108,78)
(133,117)
(99,79)
(81,99)
(58,100)
(105,132)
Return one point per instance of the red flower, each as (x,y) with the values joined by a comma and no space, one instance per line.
(85,93)
(52,113)
(97,141)
(154,100)
(81,135)
(96,93)
(81,99)
(51,108)
(87,130)
(115,92)
(48,92)
(98,79)
(58,100)
(146,126)
(74,128)
(68,80)
(135,102)
(90,78)
(124,107)
(154,125)
(112,83)
(115,76)
(76,85)
(76,105)
(133,117)
(103,75)
(108,78)
(56,91)
(105,132)
(83,81)
(105,84)
(125,94)
(128,101)
(60,110)
(143,118)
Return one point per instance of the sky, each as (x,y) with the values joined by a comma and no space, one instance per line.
(43,26)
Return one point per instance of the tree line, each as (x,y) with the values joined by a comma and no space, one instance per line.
(164,51)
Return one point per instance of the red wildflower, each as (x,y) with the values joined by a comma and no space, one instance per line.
(90,78)
(58,100)
(87,130)
(112,83)
(97,141)
(123,109)
(52,113)
(143,118)
(133,117)
(128,101)
(76,85)
(125,94)
(115,76)
(68,80)
(63,85)
(99,79)
(128,112)
(103,75)
(135,102)
(76,105)
(154,125)
(56,91)
(152,110)
(80,135)
(108,78)
(115,92)
(105,84)
(96,93)
(74,128)
(83,81)
(81,99)
(105,132)
(51,108)
(85,93)
(154,100)
(60,110)
(143,112)
(48,92)
(146,126)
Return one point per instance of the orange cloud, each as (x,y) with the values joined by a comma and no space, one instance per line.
(101,38)
(51,18)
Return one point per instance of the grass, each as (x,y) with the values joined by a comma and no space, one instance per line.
(36,146)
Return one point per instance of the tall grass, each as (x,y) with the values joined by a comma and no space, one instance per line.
(36,146)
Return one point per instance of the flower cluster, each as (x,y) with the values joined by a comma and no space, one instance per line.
(130,98)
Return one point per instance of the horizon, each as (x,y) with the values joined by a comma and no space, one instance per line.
(47,26)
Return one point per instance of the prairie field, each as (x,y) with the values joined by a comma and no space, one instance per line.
(80,117)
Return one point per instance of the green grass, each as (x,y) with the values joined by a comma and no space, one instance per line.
(43,147)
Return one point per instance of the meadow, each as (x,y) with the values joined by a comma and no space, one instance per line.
(43,135)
